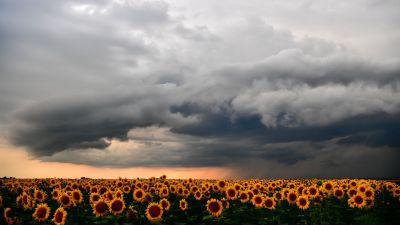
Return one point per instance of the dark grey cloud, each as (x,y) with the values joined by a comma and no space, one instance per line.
(144,83)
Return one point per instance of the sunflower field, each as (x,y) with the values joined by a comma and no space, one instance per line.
(195,201)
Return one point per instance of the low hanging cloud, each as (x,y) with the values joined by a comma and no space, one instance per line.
(122,84)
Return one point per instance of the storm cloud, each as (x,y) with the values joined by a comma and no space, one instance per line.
(147,83)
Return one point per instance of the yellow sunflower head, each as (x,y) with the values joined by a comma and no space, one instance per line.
(154,212)
(39,195)
(244,196)
(183,204)
(65,200)
(291,197)
(55,194)
(358,200)
(214,207)
(303,202)
(269,203)
(258,201)
(198,195)
(60,216)
(165,204)
(338,192)
(41,213)
(100,208)
(77,196)
(117,206)
(138,195)
(231,193)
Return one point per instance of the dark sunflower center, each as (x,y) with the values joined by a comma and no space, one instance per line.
(154,211)
(65,200)
(338,193)
(101,207)
(292,197)
(303,202)
(117,206)
(268,203)
(258,200)
(39,195)
(139,194)
(313,191)
(59,217)
(41,212)
(358,199)
(77,196)
(328,186)
(231,193)
(96,198)
(214,207)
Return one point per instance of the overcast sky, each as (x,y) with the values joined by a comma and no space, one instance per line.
(256,88)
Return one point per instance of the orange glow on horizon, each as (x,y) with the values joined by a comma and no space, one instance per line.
(15,162)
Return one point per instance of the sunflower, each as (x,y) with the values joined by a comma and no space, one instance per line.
(59,216)
(55,194)
(358,200)
(221,184)
(126,189)
(26,201)
(277,196)
(109,195)
(39,196)
(163,193)
(214,207)
(327,186)
(41,213)
(138,195)
(244,196)
(369,193)
(100,208)
(351,192)
(362,188)
(292,197)
(258,201)
(198,195)
(94,197)
(312,191)
(338,192)
(119,194)
(396,192)
(76,196)
(65,200)
(269,203)
(183,204)
(172,189)
(231,193)
(117,206)
(154,212)
(303,202)
(165,204)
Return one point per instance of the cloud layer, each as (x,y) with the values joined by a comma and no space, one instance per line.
(145,83)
